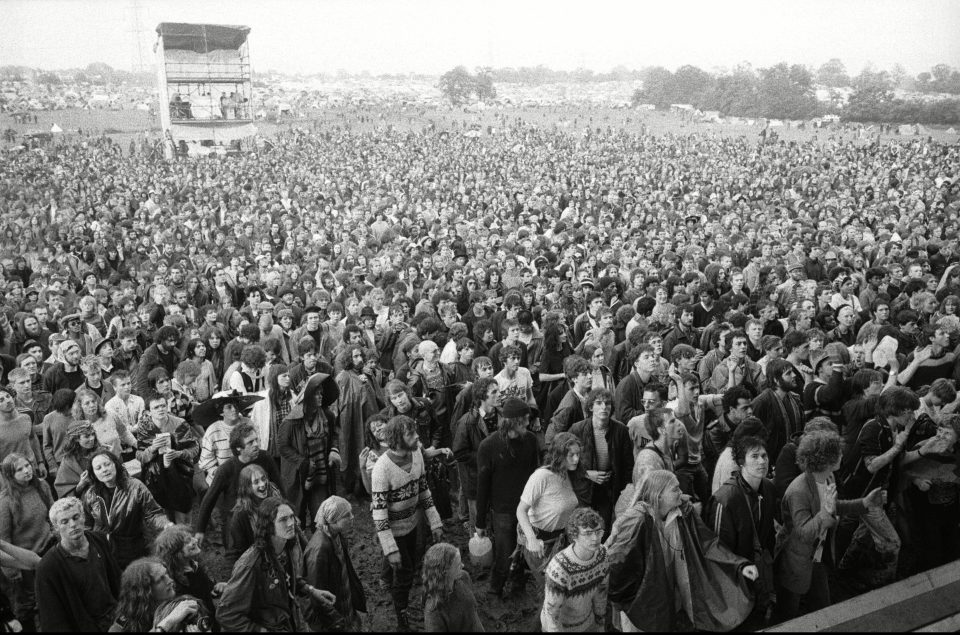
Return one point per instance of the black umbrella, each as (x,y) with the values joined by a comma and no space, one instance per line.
(208,412)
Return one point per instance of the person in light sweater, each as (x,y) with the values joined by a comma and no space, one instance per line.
(399,490)
(575,593)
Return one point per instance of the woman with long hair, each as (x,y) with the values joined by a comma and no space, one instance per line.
(178,549)
(110,433)
(327,565)
(449,605)
(206,382)
(267,579)
(268,414)
(25,501)
(253,487)
(79,447)
(216,348)
(119,506)
(556,348)
(145,588)
(547,501)
(651,548)
(375,445)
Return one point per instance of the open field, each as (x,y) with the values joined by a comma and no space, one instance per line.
(124,124)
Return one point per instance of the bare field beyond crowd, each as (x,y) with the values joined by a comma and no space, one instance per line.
(124,125)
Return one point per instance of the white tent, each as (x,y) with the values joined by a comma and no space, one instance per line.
(55,129)
(951,131)
(143,107)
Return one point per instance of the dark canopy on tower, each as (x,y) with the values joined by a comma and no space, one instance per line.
(202,38)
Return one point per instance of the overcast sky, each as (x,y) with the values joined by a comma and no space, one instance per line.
(432,36)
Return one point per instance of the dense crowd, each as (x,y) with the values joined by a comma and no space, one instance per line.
(668,382)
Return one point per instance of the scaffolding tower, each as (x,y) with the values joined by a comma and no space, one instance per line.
(205,84)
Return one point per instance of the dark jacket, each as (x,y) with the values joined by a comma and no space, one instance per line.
(324,570)
(738,514)
(292,441)
(60,597)
(620,450)
(640,584)
(466,443)
(225,483)
(568,412)
(257,597)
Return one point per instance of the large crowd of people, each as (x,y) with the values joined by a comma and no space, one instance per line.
(671,381)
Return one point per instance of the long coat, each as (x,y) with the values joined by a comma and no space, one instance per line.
(803,522)
(324,570)
(295,466)
(358,402)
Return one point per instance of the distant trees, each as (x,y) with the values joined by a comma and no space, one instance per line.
(459,85)
(781,91)
(942,78)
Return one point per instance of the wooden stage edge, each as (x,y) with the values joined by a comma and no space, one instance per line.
(928,602)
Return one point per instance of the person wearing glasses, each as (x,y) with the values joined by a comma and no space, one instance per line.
(575,598)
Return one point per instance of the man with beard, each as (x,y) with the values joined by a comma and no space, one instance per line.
(779,406)
(399,490)
(357,403)
(65,374)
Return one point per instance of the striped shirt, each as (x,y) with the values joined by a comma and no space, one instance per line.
(215,448)
(397,496)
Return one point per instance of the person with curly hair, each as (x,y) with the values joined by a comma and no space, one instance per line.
(248,378)
(119,506)
(810,512)
(178,549)
(146,585)
(253,487)
(449,605)
(267,580)
(575,598)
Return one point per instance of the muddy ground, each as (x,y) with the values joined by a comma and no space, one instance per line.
(516,613)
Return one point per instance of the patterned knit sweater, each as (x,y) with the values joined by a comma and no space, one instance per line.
(398,496)
(575,592)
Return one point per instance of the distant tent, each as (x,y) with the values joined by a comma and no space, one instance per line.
(907,129)
(55,129)
(143,107)
(951,131)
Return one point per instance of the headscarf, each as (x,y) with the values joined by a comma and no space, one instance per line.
(333,510)
(78,429)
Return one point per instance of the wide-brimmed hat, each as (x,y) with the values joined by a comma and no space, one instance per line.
(210,410)
(324,381)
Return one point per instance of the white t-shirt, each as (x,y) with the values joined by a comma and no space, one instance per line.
(521,386)
(551,499)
